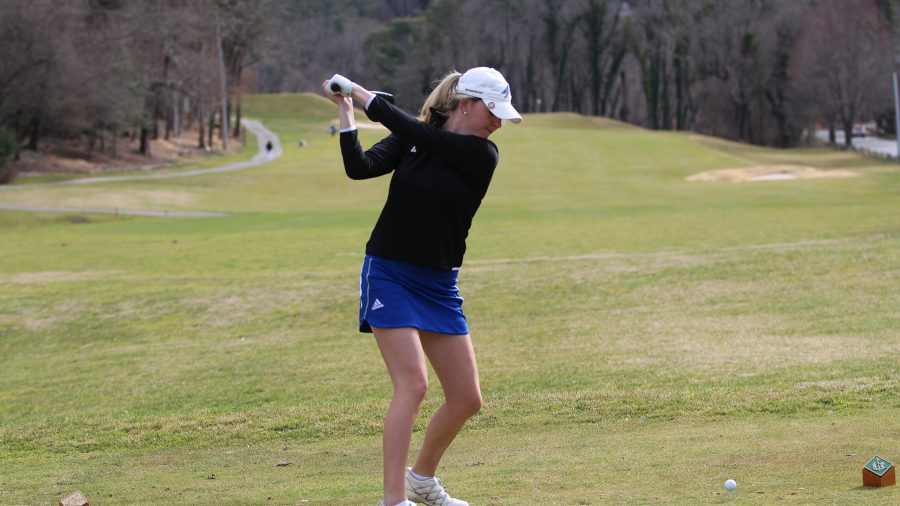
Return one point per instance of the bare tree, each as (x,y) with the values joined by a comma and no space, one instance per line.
(223,85)
(652,42)
(560,23)
(790,116)
(244,25)
(606,51)
(30,57)
(734,40)
(755,70)
(312,40)
(843,61)
(110,91)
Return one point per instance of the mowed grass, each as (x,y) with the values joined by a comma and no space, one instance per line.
(640,338)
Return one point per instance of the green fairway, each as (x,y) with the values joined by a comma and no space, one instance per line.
(640,338)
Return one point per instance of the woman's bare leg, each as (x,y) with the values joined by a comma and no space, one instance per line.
(402,352)
(453,359)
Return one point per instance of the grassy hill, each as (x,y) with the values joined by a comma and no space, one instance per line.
(641,338)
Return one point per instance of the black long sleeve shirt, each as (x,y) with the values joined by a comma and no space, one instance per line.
(438,183)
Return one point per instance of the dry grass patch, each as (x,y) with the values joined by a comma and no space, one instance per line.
(749,350)
(846,385)
(789,246)
(99,198)
(27,278)
(768,173)
(131,198)
(229,308)
(43,318)
(602,263)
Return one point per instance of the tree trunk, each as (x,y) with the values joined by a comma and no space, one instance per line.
(201,142)
(222,85)
(191,108)
(531,101)
(682,86)
(145,141)
(777,100)
(665,98)
(211,129)
(34,133)
(238,99)
(176,114)
(165,116)
(594,17)
(609,86)
(237,119)
(227,125)
(91,140)
(559,40)
(653,74)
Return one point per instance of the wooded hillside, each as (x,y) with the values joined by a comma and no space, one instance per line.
(759,71)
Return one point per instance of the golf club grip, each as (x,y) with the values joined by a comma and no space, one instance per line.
(385,95)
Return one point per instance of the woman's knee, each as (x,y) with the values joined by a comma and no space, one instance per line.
(467,405)
(412,388)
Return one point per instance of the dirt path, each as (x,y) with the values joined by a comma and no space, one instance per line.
(129,212)
(263,135)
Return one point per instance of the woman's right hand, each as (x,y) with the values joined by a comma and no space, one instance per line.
(337,99)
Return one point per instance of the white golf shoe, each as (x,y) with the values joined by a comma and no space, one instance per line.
(404,503)
(429,492)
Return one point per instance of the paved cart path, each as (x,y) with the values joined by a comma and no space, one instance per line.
(882,147)
(263,135)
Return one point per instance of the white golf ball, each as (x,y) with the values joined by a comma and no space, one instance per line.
(730,485)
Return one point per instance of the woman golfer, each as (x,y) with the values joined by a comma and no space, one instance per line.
(409,299)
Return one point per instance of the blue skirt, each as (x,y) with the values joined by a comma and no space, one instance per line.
(396,294)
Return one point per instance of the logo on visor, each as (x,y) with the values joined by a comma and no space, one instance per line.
(506,92)
(491,105)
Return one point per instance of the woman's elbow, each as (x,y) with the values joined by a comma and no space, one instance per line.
(354,173)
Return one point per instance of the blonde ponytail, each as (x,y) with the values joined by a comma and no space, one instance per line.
(443,97)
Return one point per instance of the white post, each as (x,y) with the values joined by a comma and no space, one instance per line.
(897,114)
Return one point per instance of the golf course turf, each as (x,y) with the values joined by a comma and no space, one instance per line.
(641,338)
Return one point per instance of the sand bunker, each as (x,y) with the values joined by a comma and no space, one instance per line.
(768,173)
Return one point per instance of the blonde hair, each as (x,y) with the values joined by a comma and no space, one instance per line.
(443,97)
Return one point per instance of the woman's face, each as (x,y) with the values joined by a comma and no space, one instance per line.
(478,119)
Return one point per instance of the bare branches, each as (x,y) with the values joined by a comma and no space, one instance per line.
(843,61)
(756,70)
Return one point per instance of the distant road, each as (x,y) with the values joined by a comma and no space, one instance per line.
(873,144)
(263,135)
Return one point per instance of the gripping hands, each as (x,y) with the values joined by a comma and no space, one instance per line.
(339,85)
